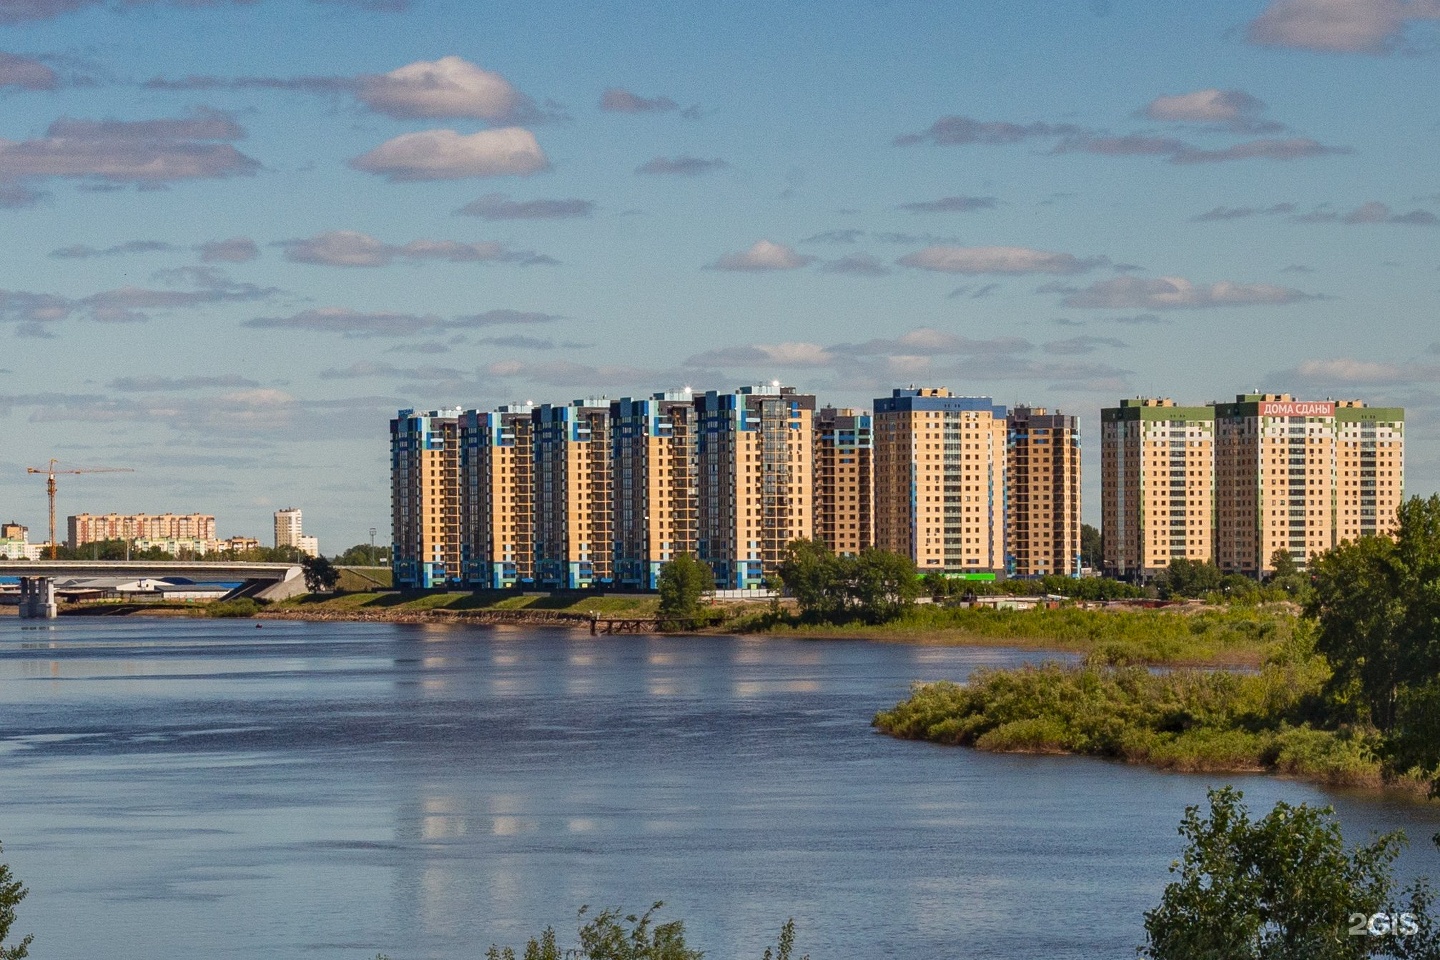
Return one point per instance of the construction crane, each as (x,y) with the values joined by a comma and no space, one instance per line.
(50,472)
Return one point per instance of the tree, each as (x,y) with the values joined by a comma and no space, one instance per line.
(1188,578)
(1376,602)
(1284,888)
(11,893)
(363,555)
(811,574)
(610,936)
(682,582)
(882,584)
(320,574)
(1092,547)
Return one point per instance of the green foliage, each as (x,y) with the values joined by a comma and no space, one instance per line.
(1181,720)
(1092,547)
(874,585)
(1281,888)
(363,555)
(1188,578)
(320,574)
(241,607)
(11,893)
(1377,605)
(609,935)
(941,587)
(683,582)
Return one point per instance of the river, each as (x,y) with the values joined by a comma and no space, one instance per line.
(174,789)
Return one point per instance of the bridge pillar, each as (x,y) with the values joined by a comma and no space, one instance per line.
(37,598)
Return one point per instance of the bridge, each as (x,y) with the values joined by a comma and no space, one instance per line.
(264,581)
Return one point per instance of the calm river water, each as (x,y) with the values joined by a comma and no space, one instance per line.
(173,790)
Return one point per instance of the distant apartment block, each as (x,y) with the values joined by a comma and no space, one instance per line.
(15,543)
(656,485)
(1289,477)
(425,498)
(844,501)
(754,454)
(574,495)
(497,497)
(1043,493)
(289,532)
(1157,483)
(940,481)
(85,528)
(1238,482)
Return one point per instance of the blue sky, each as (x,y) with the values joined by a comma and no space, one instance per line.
(237,236)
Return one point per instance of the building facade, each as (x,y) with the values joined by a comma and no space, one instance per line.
(85,528)
(574,495)
(289,532)
(754,455)
(1043,493)
(653,450)
(844,502)
(497,497)
(425,498)
(1157,480)
(940,464)
(1369,468)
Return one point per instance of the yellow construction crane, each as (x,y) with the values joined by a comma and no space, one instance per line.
(50,473)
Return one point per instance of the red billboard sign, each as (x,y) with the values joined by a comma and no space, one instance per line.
(1297,408)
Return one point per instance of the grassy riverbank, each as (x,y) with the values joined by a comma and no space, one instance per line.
(1185,720)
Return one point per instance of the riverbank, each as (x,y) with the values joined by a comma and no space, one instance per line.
(1191,721)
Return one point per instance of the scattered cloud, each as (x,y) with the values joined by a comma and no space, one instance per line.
(123,305)
(1239,213)
(567,374)
(349,248)
(498,206)
(1348,371)
(1000,260)
(355,323)
(26,74)
(973,291)
(450,87)
(1140,320)
(681,166)
(143,151)
(1339,26)
(1230,109)
(951,205)
(1174,293)
(794,354)
(961,131)
(233,250)
(1181,152)
(447,155)
(157,383)
(1083,345)
(13,197)
(83,252)
(836,236)
(762,257)
(1368,213)
(617,100)
(857,264)
(28,11)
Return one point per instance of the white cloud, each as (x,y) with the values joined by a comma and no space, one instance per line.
(350,248)
(448,87)
(1002,260)
(763,256)
(1233,109)
(794,354)
(447,155)
(618,100)
(25,73)
(1339,26)
(1173,293)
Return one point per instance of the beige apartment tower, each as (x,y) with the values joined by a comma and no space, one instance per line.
(754,456)
(497,548)
(844,480)
(1157,473)
(654,444)
(940,469)
(1043,499)
(574,495)
(425,498)
(1300,476)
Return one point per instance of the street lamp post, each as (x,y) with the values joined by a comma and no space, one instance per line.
(372,546)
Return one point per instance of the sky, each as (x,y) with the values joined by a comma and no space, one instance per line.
(237,235)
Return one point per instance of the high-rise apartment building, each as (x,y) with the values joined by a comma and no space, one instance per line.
(85,528)
(844,504)
(574,496)
(754,461)
(940,481)
(289,532)
(653,448)
(497,457)
(425,498)
(1157,471)
(1300,476)
(1043,498)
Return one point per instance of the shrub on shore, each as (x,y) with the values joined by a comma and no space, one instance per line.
(242,607)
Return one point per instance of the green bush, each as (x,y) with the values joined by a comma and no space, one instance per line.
(243,607)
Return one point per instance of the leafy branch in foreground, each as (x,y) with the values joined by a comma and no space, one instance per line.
(11,893)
